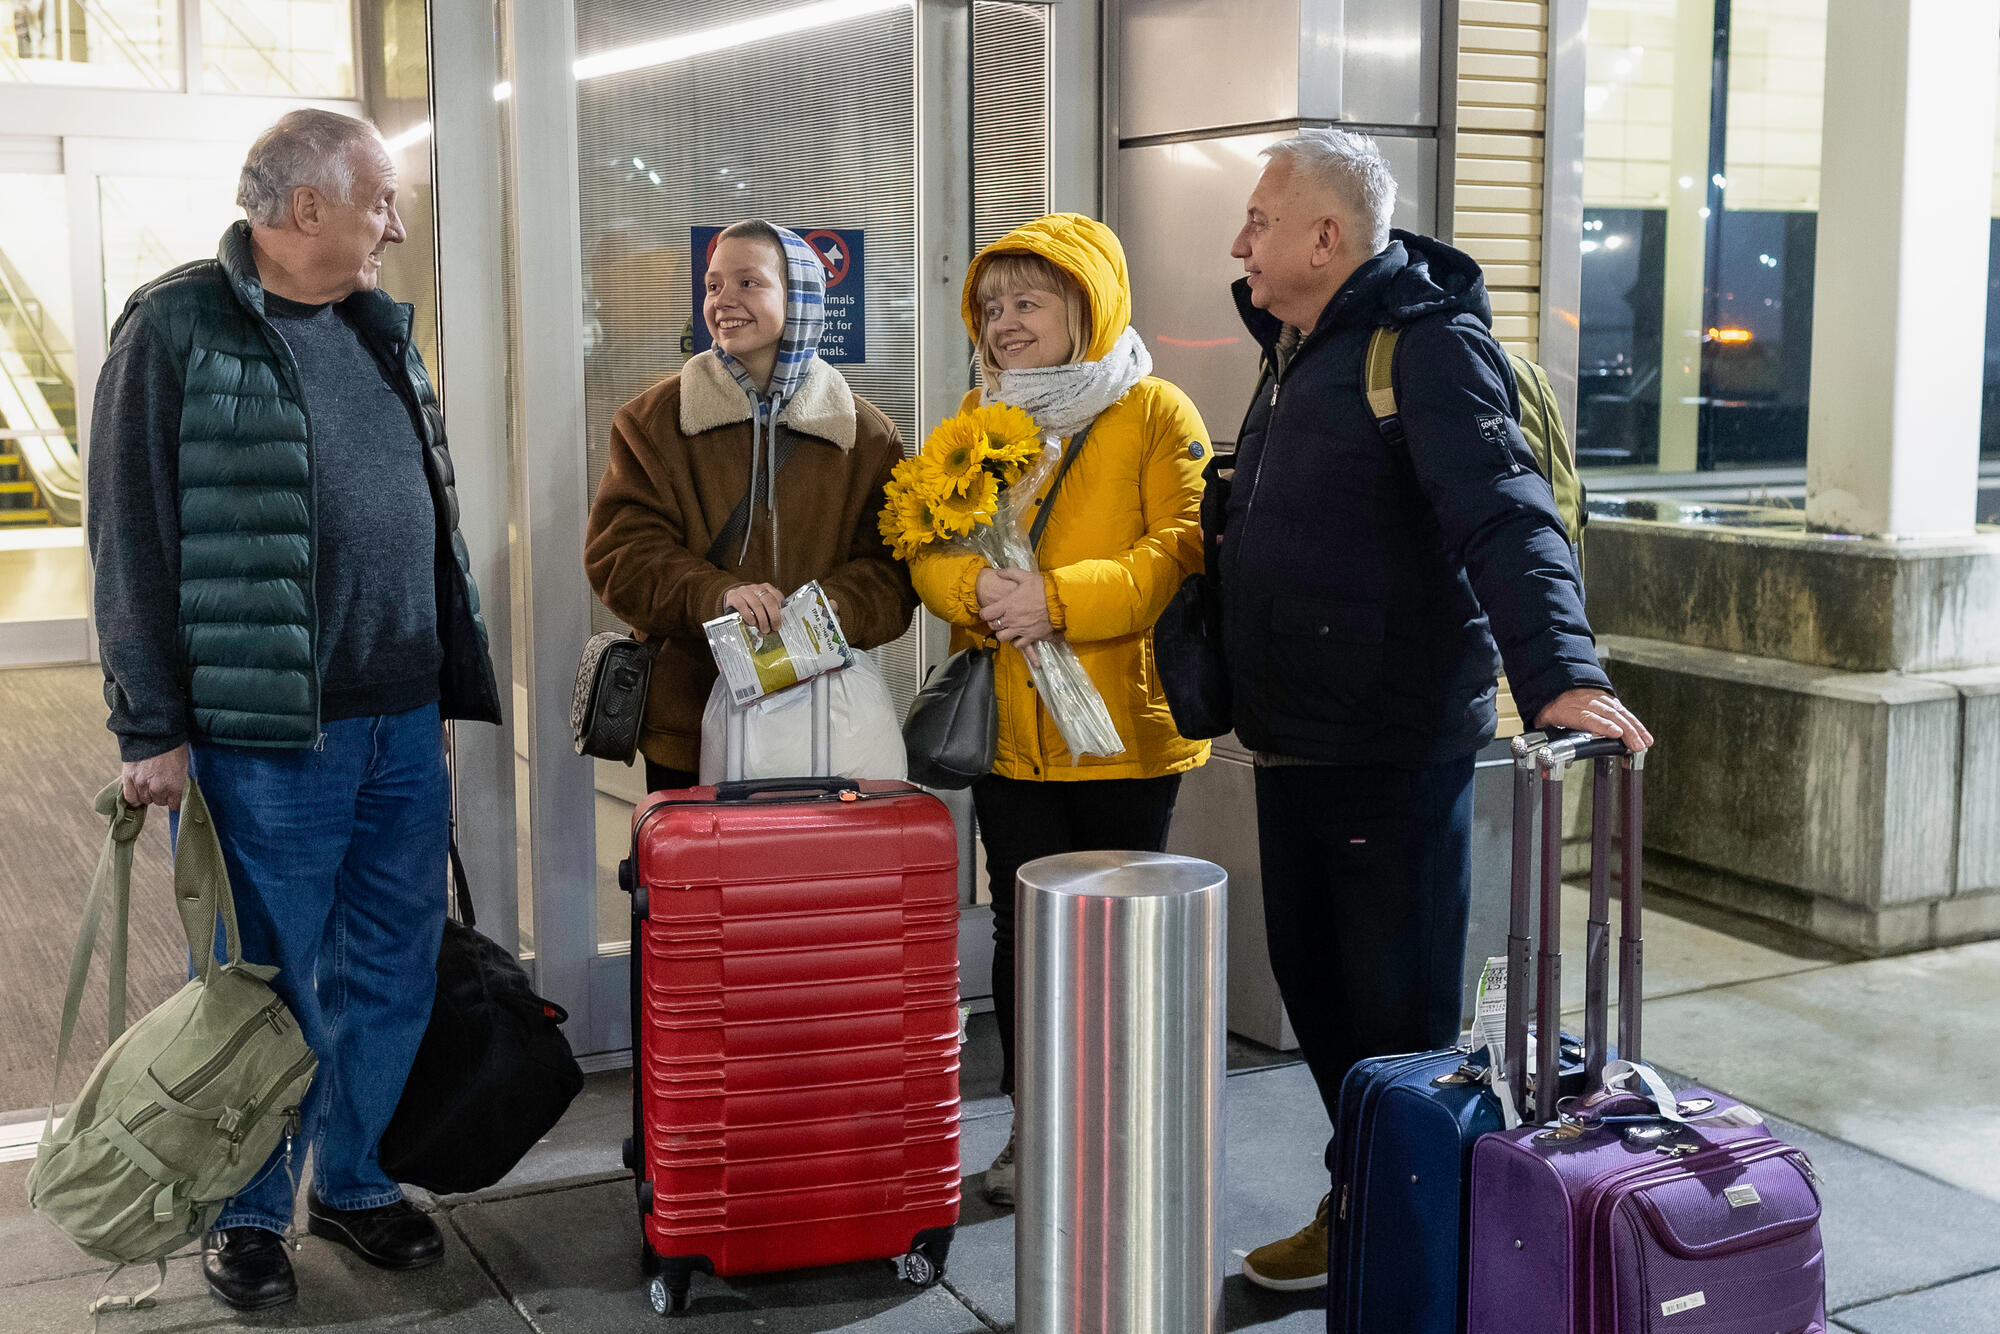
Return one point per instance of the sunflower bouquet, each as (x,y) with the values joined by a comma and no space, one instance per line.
(973,487)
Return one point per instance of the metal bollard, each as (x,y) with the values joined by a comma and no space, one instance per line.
(1120,962)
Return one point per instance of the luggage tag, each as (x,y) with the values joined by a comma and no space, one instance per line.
(1489,1030)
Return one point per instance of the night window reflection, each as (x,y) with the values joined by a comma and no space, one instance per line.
(1756,368)
(1618,353)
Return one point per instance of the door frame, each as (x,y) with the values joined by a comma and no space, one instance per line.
(86,161)
(549,485)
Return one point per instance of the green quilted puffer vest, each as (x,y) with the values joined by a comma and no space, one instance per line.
(248,619)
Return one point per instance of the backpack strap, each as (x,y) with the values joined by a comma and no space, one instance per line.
(201,885)
(1379,382)
(113,884)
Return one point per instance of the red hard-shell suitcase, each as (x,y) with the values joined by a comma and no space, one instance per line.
(795,1029)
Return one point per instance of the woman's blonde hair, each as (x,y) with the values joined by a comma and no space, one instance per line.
(1020,269)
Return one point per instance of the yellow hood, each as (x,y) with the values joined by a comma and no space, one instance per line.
(1088,252)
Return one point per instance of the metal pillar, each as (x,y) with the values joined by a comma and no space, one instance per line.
(1121,963)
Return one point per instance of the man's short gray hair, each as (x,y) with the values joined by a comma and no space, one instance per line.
(1352,168)
(307,147)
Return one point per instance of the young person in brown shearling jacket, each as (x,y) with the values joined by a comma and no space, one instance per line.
(759,407)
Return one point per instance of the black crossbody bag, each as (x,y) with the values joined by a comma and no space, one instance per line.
(607,709)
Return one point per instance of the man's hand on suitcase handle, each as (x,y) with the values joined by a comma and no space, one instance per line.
(1598,712)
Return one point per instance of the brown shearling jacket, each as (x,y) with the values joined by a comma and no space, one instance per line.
(680,462)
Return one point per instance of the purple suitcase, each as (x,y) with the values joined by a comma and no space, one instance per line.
(1633,1210)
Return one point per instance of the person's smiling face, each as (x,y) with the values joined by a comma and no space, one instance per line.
(744,301)
(1026,328)
(353,237)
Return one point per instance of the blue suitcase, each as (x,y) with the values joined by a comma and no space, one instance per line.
(1405,1126)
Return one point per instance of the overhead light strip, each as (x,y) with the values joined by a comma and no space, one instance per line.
(409,138)
(707,41)
(667,50)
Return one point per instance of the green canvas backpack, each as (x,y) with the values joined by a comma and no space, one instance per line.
(1541,424)
(188,1103)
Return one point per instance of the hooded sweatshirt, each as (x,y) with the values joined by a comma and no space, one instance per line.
(1365,584)
(686,451)
(798,350)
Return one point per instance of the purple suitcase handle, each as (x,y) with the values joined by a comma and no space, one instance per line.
(1541,761)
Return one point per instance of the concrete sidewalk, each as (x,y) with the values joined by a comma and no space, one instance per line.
(1858,1051)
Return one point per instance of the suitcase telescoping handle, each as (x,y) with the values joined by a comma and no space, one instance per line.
(733,788)
(1541,761)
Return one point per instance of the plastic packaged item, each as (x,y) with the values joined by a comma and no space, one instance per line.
(865,735)
(807,643)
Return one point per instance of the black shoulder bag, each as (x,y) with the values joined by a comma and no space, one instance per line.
(953,732)
(607,708)
(1187,639)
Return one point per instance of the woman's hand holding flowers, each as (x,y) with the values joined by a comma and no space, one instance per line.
(1019,614)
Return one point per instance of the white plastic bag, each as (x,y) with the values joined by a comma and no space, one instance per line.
(777,730)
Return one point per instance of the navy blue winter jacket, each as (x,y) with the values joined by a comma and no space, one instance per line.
(1364,583)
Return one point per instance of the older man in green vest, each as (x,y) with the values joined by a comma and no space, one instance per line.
(284,610)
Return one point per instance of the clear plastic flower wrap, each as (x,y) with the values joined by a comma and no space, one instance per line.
(973,488)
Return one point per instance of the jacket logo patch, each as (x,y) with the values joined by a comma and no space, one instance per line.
(1493,429)
(1196,449)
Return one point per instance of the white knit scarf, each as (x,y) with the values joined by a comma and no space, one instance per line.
(1065,399)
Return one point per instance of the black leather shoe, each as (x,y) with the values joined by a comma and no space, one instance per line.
(248,1268)
(393,1236)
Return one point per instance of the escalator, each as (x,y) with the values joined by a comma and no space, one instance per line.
(41,478)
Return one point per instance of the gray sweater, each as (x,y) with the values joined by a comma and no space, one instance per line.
(376,539)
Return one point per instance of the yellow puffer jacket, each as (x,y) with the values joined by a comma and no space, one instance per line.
(1125,532)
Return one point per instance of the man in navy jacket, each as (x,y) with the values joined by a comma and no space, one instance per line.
(1366,583)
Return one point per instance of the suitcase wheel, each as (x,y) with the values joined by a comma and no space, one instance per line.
(630,1154)
(924,1265)
(671,1278)
(667,1300)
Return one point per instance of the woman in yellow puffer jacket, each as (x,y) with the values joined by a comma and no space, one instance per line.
(1049,307)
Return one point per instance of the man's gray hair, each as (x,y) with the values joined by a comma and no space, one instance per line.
(1352,168)
(307,147)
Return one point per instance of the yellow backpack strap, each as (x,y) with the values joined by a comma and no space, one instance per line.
(1379,381)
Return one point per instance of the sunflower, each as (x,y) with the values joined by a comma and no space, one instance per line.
(1005,427)
(953,455)
(890,521)
(1013,441)
(958,515)
(912,518)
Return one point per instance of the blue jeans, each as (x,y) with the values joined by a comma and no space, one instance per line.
(337,861)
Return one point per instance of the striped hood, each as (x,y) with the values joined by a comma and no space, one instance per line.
(805,318)
(798,349)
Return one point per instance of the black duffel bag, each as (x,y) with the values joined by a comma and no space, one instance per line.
(494,1073)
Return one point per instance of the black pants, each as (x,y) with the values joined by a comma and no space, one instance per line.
(1021,820)
(1367,883)
(659,778)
